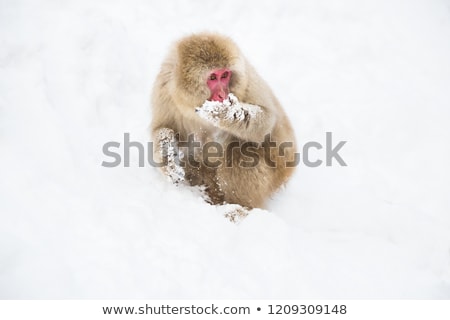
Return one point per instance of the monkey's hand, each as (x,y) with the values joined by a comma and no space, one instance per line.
(230,111)
(170,154)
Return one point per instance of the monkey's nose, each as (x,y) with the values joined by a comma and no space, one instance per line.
(219,94)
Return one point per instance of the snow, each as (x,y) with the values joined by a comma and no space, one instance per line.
(77,74)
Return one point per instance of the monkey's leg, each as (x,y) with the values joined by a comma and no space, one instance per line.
(249,187)
(206,178)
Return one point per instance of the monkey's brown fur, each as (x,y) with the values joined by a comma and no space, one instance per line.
(181,87)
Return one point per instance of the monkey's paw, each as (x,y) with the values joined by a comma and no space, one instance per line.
(175,174)
(228,111)
(234,212)
(169,152)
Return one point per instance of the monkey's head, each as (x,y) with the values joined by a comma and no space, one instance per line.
(208,67)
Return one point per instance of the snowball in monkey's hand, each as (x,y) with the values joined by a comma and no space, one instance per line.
(228,111)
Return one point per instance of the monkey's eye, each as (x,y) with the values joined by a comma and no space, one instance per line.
(225,75)
(212,77)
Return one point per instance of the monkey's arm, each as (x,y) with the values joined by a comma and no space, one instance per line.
(168,154)
(246,121)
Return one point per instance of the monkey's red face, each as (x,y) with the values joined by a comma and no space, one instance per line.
(218,81)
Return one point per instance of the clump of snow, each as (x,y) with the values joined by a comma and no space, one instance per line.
(230,110)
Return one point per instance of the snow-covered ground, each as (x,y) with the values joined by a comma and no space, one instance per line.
(77,74)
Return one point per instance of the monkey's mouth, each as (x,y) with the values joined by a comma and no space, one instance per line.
(219,95)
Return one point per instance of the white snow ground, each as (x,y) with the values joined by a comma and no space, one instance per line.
(76,74)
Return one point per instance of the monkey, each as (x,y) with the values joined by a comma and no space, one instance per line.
(208,92)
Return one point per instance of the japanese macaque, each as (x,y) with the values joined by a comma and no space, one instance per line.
(217,124)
